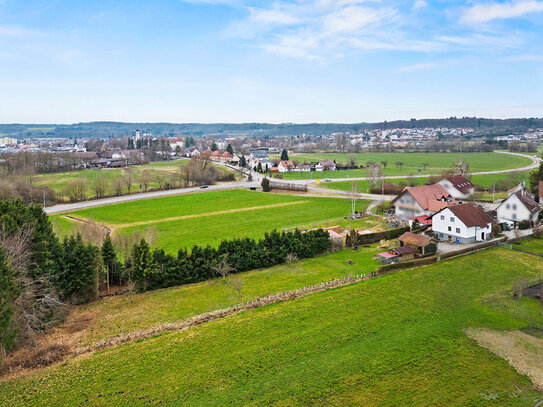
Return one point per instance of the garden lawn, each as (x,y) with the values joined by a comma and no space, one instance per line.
(530,245)
(394,340)
(120,314)
(210,217)
(412,163)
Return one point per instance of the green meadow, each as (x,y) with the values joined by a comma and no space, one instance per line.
(60,180)
(395,340)
(530,245)
(208,218)
(485,181)
(412,162)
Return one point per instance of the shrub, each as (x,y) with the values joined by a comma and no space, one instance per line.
(524,225)
(378,236)
(496,230)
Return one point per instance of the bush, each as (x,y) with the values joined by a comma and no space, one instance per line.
(524,225)
(406,264)
(496,230)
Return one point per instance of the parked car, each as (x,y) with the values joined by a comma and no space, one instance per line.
(327,180)
(204,186)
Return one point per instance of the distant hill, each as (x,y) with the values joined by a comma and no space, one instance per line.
(482,126)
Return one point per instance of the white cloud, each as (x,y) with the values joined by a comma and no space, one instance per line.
(526,58)
(485,12)
(423,66)
(419,4)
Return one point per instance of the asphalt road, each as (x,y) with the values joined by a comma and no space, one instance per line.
(257,179)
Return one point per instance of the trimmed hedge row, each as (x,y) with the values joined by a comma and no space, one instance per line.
(378,236)
(406,264)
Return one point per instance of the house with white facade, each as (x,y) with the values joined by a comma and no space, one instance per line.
(421,200)
(285,166)
(328,165)
(458,186)
(518,207)
(462,223)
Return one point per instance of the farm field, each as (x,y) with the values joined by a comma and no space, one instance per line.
(208,218)
(484,180)
(412,162)
(120,314)
(59,181)
(396,340)
(530,245)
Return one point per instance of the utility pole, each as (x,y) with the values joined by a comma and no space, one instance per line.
(493,191)
(44,197)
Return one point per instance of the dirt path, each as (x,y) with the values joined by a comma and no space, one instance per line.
(524,352)
(174,218)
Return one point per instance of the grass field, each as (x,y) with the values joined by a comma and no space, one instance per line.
(395,340)
(208,218)
(412,163)
(60,180)
(530,245)
(485,181)
(116,315)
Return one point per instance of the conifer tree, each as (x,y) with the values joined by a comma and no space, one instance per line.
(284,155)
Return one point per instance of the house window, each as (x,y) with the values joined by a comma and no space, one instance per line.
(514,207)
(514,216)
(449,228)
(457,230)
(452,219)
(507,206)
(442,217)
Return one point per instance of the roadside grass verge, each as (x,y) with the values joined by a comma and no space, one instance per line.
(395,340)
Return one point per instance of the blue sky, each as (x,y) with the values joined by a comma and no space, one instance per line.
(273,61)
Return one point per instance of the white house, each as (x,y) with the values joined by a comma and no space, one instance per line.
(285,166)
(518,207)
(458,186)
(462,223)
(421,200)
(328,165)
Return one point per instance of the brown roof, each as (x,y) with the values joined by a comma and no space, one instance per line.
(413,239)
(471,214)
(404,250)
(527,200)
(461,183)
(430,197)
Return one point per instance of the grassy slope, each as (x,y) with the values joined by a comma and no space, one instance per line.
(412,162)
(211,229)
(116,315)
(395,340)
(59,181)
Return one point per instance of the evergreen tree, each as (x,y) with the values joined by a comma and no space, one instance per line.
(536,176)
(8,294)
(259,167)
(284,155)
(141,264)
(266,185)
(242,161)
(230,149)
(139,144)
(214,146)
(130,144)
(109,258)
(80,275)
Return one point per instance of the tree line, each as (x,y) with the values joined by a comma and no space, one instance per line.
(40,274)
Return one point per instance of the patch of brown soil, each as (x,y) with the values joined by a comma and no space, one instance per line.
(524,352)
(49,348)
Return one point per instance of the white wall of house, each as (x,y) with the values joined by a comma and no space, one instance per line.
(455,193)
(447,226)
(282,168)
(407,207)
(513,210)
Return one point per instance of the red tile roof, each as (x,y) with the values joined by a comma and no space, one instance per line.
(413,239)
(429,197)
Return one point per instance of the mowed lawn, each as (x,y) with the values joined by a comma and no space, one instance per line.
(121,314)
(210,217)
(530,245)
(60,180)
(412,163)
(395,340)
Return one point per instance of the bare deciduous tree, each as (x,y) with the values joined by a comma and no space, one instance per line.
(100,186)
(222,268)
(76,190)
(237,284)
(118,184)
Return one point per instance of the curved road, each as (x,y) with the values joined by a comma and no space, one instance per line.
(256,183)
